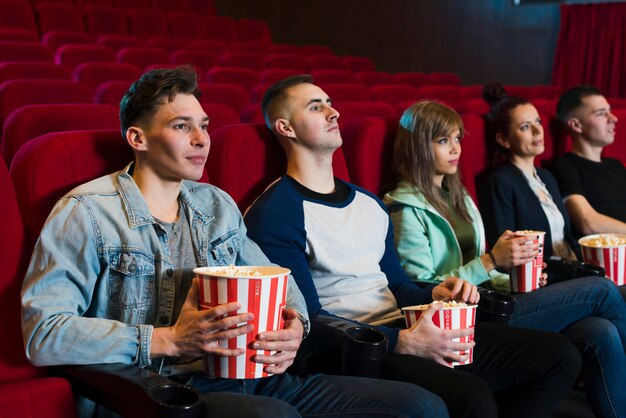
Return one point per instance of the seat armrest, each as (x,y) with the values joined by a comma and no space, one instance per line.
(133,392)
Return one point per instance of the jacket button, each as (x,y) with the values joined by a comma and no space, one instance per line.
(169,272)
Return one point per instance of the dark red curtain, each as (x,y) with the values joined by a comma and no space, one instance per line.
(592,47)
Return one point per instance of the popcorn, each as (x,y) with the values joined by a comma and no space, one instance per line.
(450,304)
(236,271)
(603,240)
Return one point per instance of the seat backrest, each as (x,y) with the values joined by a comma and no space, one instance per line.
(31,121)
(15,34)
(49,166)
(368,149)
(33,70)
(72,55)
(17,93)
(222,28)
(96,73)
(272,75)
(245,77)
(111,92)
(412,78)
(148,23)
(143,57)
(185,25)
(212,45)
(57,16)
(473,160)
(168,44)
(333,76)
(56,39)
(24,51)
(356,63)
(447,94)
(14,255)
(254,30)
(393,93)
(373,78)
(117,42)
(105,21)
(17,14)
(324,62)
(231,95)
(443,78)
(286,60)
(201,60)
(476,106)
(244,159)
(242,59)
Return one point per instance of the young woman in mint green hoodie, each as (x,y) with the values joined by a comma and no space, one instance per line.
(439,233)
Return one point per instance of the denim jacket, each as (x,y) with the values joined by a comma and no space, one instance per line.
(99,278)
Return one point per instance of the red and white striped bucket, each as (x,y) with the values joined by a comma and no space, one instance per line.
(454,317)
(611,257)
(525,278)
(263,295)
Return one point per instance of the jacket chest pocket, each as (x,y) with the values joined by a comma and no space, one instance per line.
(225,249)
(131,285)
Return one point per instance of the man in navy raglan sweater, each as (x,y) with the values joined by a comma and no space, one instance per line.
(338,242)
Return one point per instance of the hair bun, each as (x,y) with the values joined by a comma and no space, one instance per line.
(494,92)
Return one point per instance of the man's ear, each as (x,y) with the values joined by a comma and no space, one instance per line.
(283,128)
(502,141)
(574,125)
(136,138)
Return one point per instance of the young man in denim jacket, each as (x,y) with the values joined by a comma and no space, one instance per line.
(111,281)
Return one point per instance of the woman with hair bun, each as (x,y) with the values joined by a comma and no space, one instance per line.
(439,233)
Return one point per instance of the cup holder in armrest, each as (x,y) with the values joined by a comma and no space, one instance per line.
(174,400)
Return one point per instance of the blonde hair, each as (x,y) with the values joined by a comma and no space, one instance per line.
(414,158)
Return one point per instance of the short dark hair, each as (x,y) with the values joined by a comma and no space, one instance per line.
(143,97)
(572,99)
(277,93)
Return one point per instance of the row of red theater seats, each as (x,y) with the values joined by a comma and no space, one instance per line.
(23,21)
(204,6)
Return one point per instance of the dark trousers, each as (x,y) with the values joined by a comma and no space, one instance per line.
(527,372)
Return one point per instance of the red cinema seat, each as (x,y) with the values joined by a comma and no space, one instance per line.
(221,28)
(186,25)
(111,92)
(72,55)
(346,92)
(244,77)
(168,44)
(518,91)
(286,60)
(545,106)
(373,78)
(474,91)
(146,24)
(443,78)
(56,39)
(254,30)
(17,93)
(14,34)
(250,46)
(211,45)
(324,62)
(252,113)
(25,391)
(24,51)
(264,159)
(96,73)
(350,111)
(272,75)
(242,59)
(231,95)
(129,5)
(59,17)
(446,94)
(476,106)
(32,70)
(356,63)
(201,60)
(17,15)
(142,57)
(284,48)
(411,78)
(333,76)
(547,91)
(29,122)
(474,156)
(258,91)
(393,93)
(117,42)
(219,115)
(105,21)
(368,149)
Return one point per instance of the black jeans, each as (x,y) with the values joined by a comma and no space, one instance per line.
(515,373)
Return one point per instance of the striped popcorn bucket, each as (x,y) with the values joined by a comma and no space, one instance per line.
(263,295)
(611,257)
(525,278)
(454,317)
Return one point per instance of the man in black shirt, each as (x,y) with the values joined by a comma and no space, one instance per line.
(594,188)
